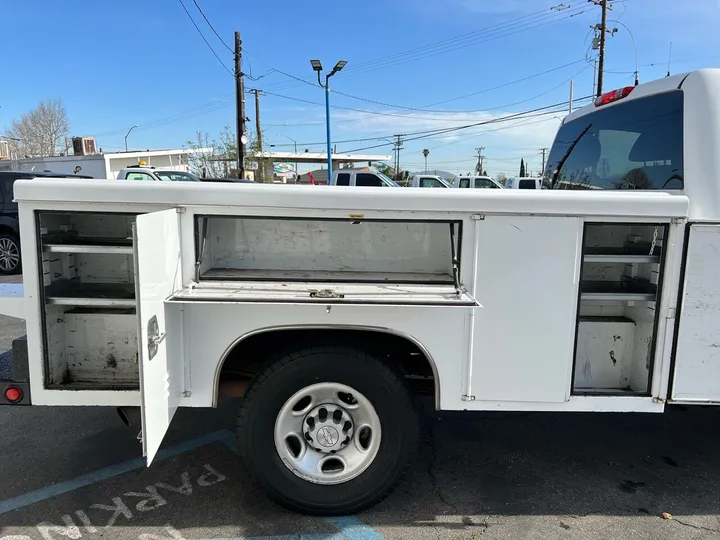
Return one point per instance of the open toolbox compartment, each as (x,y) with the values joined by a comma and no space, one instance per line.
(622,270)
(89,301)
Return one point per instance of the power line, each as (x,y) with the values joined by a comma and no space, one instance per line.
(228,47)
(425,109)
(514,116)
(481,36)
(515,28)
(204,39)
(425,134)
(507,84)
(389,60)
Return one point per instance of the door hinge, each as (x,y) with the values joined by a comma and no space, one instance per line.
(671,313)
(465,397)
(181,209)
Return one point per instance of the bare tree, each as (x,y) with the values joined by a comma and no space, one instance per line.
(501,177)
(42,131)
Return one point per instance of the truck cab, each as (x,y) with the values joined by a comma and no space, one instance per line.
(429,181)
(477,182)
(143,172)
(361,178)
(658,137)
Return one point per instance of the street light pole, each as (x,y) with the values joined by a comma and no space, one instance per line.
(317,66)
(327,125)
(128,133)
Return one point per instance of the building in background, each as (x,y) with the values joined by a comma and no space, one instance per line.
(86,161)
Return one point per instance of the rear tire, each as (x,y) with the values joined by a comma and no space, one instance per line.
(317,450)
(10,262)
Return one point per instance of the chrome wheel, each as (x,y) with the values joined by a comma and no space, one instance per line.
(327,433)
(9,254)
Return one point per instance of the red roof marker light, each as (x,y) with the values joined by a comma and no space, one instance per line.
(614,95)
(13,395)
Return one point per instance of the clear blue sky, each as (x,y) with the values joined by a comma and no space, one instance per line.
(115,64)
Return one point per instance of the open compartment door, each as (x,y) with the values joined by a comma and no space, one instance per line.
(156,240)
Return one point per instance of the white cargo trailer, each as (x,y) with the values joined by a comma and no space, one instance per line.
(328,310)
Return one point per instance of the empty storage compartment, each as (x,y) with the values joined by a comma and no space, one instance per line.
(312,250)
(89,296)
(92,348)
(617,315)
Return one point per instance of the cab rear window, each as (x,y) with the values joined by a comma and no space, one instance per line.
(636,144)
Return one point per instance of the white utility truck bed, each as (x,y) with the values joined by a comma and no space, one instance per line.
(330,309)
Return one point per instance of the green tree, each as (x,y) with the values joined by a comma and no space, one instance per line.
(522,167)
(217,157)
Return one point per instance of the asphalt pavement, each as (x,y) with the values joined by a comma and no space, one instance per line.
(77,472)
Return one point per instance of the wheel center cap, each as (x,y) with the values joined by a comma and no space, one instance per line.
(328,436)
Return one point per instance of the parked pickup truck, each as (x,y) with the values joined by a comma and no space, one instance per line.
(141,172)
(527,182)
(331,310)
(476,182)
(361,178)
(429,181)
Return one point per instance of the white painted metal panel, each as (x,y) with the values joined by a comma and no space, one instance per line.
(311,245)
(157,259)
(352,201)
(604,354)
(527,284)
(697,355)
(442,331)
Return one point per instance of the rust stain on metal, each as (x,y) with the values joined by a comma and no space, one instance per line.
(111,361)
(612,357)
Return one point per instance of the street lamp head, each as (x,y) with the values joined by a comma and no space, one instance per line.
(341,64)
(316,65)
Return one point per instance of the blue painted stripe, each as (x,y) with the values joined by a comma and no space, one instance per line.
(353,528)
(328,536)
(109,472)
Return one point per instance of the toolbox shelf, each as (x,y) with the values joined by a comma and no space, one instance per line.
(72,292)
(628,290)
(100,246)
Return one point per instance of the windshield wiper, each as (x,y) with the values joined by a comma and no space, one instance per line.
(563,159)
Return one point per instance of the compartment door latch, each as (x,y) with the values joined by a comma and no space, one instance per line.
(326,293)
(155,338)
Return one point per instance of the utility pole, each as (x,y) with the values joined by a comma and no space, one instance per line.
(261,162)
(241,139)
(481,158)
(398,146)
(544,152)
(602,28)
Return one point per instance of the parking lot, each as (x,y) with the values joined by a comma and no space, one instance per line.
(77,472)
